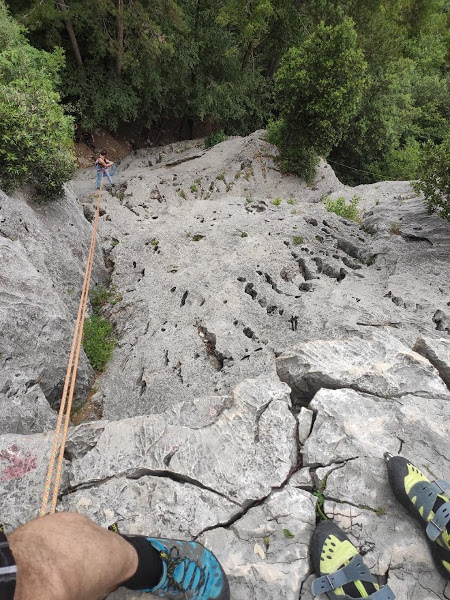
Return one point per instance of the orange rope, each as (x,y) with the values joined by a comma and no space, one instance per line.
(60,438)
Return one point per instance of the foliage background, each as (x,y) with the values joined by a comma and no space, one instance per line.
(370,77)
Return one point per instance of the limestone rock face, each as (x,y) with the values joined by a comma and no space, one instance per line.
(223,264)
(437,351)
(233,276)
(43,250)
(27,412)
(379,365)
(247,451)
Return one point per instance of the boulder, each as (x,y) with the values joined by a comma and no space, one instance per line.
(26,412)
(379,364)
(437,351)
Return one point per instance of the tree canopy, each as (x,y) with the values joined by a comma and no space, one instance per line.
(35,135)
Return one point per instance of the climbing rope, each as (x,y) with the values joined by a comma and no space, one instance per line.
(60,437)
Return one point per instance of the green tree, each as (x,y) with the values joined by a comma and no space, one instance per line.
(35,135)
(434,180)
(318,88)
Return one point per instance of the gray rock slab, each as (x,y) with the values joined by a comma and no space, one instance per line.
(302,479)
(258,572)
(156,506)
(247,451)
(43,252)
(305,420)
(351,425)
(199,247)
(23,468)
(437,351)
(379,365)
(27,412)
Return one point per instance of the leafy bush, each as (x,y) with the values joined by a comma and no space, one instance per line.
(215,138)
(35,135)
(298,240)
(277,201)
(100,296)
(434,180)
(318,88)
(339,207)
(98,341)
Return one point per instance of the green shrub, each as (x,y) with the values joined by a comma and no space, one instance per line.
(298,240)
(193,188)
(215,138)
(434,180)
(35,135)
(339,207)
(277,201)
(98,341)
(100,296)
(244,234)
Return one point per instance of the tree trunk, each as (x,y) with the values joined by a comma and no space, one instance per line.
(71,32)
(119,36)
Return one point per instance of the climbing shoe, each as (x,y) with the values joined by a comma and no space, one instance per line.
(189,572)
(341,570)
(426,501)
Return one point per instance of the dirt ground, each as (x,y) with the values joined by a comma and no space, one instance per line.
(130,137)
(101,140)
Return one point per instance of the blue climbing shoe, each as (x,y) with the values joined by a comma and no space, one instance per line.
(190,572)
(426,501)
(341,570)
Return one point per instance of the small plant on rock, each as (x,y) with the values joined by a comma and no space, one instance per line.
(277,201)
(298,240)
(193,188)
(395,229)
(100,296)
(98,341)
(339,207)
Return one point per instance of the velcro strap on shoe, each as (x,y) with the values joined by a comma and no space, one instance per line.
(356,570)
(426,493)
(438,523)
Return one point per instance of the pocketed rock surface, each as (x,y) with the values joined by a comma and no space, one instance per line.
(268,354)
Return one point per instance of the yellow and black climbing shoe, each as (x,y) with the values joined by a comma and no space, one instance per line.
(426,501)
(341,570)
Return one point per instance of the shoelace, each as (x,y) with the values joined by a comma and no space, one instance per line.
(174,561)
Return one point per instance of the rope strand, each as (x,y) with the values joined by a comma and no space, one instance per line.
(59,438)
